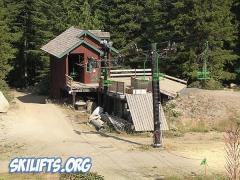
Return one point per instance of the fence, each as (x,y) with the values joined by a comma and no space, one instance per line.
(140,72)
(130,72)
(114,86)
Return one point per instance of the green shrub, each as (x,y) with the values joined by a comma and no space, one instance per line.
(80,176)
(195,84)
(213,85)
(198,177)
(210,84)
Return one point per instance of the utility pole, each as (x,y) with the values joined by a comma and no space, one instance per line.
(204,74)
(156,97)
(156,77)
(106,47)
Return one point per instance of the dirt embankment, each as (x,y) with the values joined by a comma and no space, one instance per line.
(211,108)
(32,128)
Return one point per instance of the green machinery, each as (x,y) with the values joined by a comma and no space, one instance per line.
(204,74)
(106,82)
(156,76)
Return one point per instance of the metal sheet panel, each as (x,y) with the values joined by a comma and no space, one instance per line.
(141,109)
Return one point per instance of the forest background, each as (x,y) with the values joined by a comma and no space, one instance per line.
(26,25)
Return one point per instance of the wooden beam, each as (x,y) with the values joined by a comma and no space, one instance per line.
(130,74)
(176,79)
(130,70)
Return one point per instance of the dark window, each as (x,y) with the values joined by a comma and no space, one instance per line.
(92,64)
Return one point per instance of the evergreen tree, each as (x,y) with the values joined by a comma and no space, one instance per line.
(123,20)
(195,22)
(6,50)
(32,22)
(89,20)
(236,10)
(38,21)
(83,14)
(190,23)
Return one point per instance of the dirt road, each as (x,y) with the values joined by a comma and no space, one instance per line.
(33,128)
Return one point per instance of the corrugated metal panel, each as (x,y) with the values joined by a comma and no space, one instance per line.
(141,109)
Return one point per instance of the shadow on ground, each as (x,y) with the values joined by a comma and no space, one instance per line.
(109,136)
(31,98)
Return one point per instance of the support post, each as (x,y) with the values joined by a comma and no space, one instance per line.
(156,98)
(105,88)
(99,94)
(74,98)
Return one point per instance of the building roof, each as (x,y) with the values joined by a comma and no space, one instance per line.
(70,39)
(168,86)
(100,34)
(141,109)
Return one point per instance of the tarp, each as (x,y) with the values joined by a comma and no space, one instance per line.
(4,105)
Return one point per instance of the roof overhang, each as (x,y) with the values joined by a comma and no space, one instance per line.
(81,42)
(86,32)
(71,39)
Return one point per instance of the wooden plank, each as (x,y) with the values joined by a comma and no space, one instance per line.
(176,79)
(130,74)
(130,70)
(139,72)
(69,80)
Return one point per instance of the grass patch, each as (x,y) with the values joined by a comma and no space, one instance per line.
(199,126)
(200,177)
(7,176)
(145,147)
(179,128)
(173,134)
(88,176)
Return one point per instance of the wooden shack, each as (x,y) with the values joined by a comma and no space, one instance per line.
(75,60)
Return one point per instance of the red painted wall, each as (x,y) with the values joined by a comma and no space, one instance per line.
(88,53)
(59,67)
(58,79)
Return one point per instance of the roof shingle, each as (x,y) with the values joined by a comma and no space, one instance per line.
(69,40)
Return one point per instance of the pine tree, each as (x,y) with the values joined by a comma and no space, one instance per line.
(123,20)
(195,22)
(188,22)
(236,10)
(6,50)
(31,20)
(82,14)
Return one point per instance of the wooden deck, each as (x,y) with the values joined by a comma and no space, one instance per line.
(167,86)
(122,80)
(74,86)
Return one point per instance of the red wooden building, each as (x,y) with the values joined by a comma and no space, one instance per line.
(75,60)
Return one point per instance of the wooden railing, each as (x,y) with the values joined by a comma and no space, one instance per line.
(114,86)
(69,81)
(140,72)
(117,87)
(130,72)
